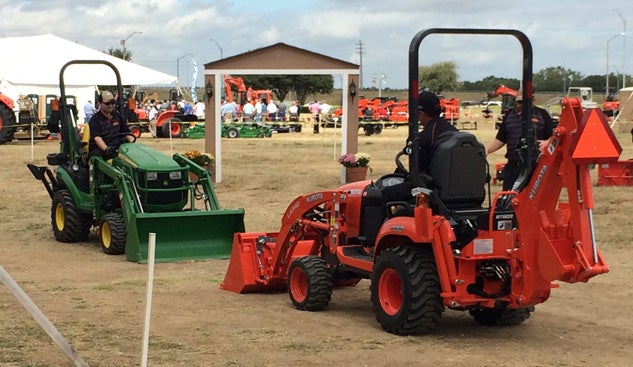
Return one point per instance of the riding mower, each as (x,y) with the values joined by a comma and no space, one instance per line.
(138,191)
(427,242)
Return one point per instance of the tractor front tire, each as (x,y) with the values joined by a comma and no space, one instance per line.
(112,234)
(310,283)
(405,290)
(504,317)
(69,225)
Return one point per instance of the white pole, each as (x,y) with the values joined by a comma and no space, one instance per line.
(41,319)
(32,144)
(148,301)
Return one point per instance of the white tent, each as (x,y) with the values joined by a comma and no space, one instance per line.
(625,117)
(31,65)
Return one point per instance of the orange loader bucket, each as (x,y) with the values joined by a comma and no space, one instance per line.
(244,273)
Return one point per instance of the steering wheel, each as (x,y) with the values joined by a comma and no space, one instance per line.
(119,139)
(399,164)
(122,135)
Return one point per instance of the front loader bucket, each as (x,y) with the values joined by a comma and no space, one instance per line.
(244,274)
(187,235)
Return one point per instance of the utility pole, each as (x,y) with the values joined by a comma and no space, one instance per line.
(623,48)
(359,48)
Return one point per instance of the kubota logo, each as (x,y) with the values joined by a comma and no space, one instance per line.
(537,183)
(314,197)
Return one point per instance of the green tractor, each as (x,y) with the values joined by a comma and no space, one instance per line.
(138,192)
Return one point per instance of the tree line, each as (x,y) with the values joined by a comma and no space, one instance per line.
(442,76)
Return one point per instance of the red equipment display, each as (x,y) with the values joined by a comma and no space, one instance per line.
(427,243)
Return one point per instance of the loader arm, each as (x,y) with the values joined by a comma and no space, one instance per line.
(259,260)
(297,224)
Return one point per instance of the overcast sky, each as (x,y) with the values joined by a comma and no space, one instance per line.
(572,34)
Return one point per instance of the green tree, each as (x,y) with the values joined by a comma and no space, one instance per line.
(490,83)
(439,77)
(555,79)
(121,54)
(302,85)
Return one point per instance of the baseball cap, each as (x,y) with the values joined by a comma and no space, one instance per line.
(429,103)
(106,96)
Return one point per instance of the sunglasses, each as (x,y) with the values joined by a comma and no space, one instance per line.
(111,103)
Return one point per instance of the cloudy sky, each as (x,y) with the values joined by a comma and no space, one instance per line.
(177,33)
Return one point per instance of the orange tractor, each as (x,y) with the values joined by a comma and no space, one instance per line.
(428,242)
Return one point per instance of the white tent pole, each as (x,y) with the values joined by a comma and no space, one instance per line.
(148,302)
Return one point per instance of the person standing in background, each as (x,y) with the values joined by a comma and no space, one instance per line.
(89,111)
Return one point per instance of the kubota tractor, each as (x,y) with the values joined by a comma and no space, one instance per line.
(426,242)
(140,191)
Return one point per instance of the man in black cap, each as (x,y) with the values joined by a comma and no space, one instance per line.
(106,128)
(434,125)
(509,134)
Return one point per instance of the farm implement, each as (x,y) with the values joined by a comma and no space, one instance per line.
(139,191)
(427,241)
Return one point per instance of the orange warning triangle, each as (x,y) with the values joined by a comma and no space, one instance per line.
(596,142)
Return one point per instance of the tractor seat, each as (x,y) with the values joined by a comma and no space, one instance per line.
(459,171)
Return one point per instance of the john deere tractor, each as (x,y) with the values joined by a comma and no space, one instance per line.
(137,192)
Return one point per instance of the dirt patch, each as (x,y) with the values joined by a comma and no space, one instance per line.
(97,301)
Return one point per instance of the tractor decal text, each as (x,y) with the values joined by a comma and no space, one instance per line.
(537,183)
(355,192)
(292,209)
(397,228)
(314,197)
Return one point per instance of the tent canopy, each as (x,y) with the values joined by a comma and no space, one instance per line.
(37,61)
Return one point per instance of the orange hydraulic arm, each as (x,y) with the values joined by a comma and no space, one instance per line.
(237,81)
(556,234)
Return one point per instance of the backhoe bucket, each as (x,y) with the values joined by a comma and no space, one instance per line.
(187,235)
(244,273)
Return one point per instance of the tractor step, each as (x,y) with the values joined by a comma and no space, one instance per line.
(358,252)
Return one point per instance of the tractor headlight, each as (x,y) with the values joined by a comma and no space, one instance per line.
(152,176)
(176,175)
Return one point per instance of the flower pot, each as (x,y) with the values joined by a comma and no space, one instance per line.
(356,174)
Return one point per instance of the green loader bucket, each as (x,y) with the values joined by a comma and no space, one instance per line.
(187,235)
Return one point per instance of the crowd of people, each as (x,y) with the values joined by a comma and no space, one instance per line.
(261,111)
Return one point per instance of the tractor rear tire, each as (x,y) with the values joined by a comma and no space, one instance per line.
(505,317)
(112,234)
(69,225)
(7,124)
(172,127)
(405,290)
(310,283)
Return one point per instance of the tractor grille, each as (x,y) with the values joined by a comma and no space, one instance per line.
(162,182)
(163,190)
(165,198)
